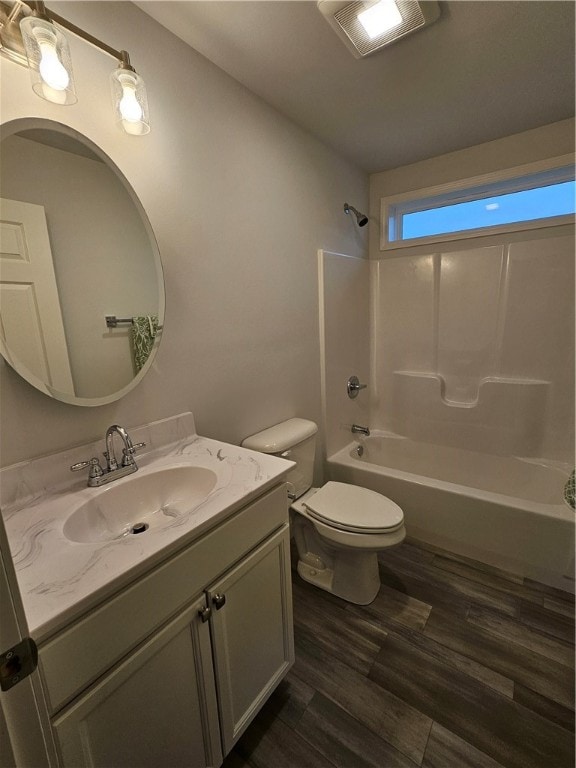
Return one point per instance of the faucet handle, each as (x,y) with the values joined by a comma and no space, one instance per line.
(133,448)
(94,464)
(128,453)
(353,386)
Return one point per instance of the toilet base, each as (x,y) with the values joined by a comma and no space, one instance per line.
(337,561)
(356,580)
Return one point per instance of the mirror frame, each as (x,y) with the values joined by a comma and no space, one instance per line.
(26,123)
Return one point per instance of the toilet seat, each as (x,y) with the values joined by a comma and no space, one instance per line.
(351,508)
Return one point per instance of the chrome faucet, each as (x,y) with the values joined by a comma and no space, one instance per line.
(127,451)
(97,475)
(358,430)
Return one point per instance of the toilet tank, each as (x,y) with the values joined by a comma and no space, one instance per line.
(294,439)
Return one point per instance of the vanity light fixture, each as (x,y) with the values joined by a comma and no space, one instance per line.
(366,26)
(129,98)
(49,60)
(30,35)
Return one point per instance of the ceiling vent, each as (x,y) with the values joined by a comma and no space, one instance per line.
(366,27)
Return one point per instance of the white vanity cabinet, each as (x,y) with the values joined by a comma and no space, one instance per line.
(157,708)
(179,690)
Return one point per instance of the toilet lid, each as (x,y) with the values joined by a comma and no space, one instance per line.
(356,509)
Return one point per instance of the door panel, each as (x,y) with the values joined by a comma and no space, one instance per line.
(158,708)
(252,633)
(31,324)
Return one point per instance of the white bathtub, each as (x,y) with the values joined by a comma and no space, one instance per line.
(504,511)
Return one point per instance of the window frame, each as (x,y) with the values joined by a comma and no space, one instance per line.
(520,178)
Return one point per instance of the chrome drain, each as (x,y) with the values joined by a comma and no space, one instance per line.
(139,528)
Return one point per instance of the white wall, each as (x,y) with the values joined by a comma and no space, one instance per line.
(493,307)
(240,200)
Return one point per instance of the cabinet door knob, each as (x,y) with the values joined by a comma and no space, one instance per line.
(219,600)
(205,613)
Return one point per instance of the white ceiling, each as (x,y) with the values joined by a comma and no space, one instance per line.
(482,71)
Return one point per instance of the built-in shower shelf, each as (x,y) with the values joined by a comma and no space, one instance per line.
(505,416)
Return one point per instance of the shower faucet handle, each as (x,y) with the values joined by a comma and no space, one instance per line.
(353,386)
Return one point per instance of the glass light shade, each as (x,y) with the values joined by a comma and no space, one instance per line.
(130,102)
(49,60)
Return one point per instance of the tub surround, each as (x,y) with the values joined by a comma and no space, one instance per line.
(474,348)
(503,416)
(59,579)
(344,282)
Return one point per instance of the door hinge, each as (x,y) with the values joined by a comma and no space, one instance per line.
(17,663)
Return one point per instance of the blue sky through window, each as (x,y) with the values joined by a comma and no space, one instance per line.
(526,205)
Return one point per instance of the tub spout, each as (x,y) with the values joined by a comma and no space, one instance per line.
(358,430)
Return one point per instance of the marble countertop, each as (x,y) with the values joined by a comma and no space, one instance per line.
(60,579)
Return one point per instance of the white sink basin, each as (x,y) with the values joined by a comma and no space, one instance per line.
(140,503)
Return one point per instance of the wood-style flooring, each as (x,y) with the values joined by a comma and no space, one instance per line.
(454,665)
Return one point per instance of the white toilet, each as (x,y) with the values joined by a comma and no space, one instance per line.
(339,528)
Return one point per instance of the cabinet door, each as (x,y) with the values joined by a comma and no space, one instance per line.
(252,635)
(157,708)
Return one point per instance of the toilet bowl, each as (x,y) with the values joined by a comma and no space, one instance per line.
(339,528)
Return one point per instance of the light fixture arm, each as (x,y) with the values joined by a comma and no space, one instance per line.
(39,9)
(13,13)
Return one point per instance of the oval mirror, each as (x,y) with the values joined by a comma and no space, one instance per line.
(81,285)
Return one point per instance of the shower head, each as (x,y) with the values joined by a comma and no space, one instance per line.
(360,217)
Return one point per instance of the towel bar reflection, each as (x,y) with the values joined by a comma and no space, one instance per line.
(113,322)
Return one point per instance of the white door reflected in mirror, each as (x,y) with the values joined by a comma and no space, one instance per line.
(30,315)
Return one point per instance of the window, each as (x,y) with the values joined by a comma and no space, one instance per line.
(470,209)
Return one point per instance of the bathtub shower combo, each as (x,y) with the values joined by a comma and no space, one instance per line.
(470,399)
